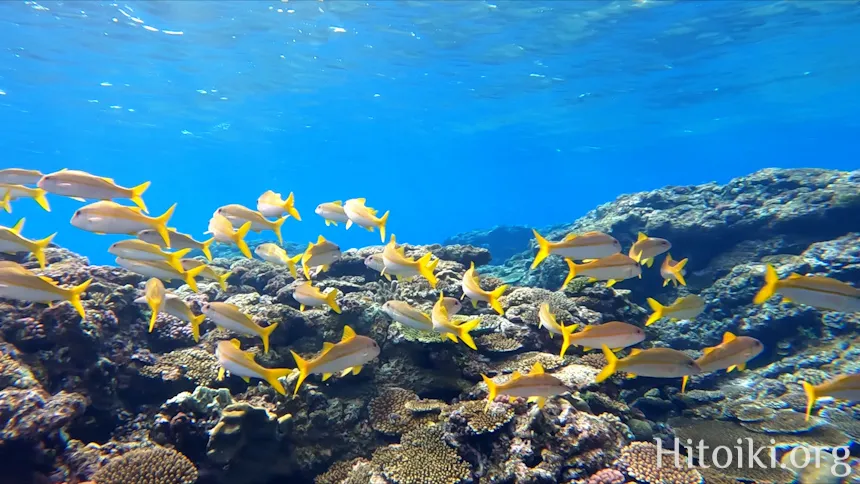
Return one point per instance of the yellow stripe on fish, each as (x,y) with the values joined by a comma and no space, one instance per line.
(320,254)
(161,270)
(273,254)
(137,249)
(363,216)
(820,292)
(208,272)
(654,362)
(590,245)
(614,334)
(645,249)
(442,324)
(472,289)
(238,215)
(270,204)
(11,242)
(347,356)
(177,241)
(81,185)
(20,176)
(537,386)
(222,231)
(308,295)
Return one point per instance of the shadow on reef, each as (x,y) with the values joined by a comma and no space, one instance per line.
(102,399)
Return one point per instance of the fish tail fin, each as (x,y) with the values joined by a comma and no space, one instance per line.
(571,273)
(74,297)
(190,274)
(38,249)
(382,222)
(543,249)
(770,280)
(494,298)
(810,398)
(658,311)
(611,364)
(161,224)
(491,390)
(239,239)
(222,280)
(290,207)
(291,264)
(276,227)
(463,332)
(39,197)
(304,370)
(196,321)
(154,317)
(565,337)
(331,300)
(6,203)
(175,259)
(273,376)
(206,247)
(137,193)
(266,332)
(425,268)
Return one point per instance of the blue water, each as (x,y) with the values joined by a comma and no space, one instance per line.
(455,116)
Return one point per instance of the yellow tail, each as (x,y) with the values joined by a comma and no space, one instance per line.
(272,376)
(206,248)
(222,280)
(810,398)
(382,222)
(658,311)
(6,204)
(196,321)
(74,297)
(304,370)
(265,335)
(543,249)
(425,268)
(175,259)
(160,224)
(494,298)
(291,264)
(239,239)
(611,364)
(463,332)
(571,273)
(491,390)
(684,383)
(276,228)
(38,249)
(290,207)
(770,280)
(39,197)
(154,306)
(331,300)
(136,194)
(565,337)
(190,274)
(678,272)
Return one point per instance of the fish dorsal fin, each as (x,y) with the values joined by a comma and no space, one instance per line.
(570,237)
(109,180)
(235,342)
(48,280)
(249,355)
(18,226)
(669,258)
(338,202)
(371,211)
(642,236)
(708,351)
(64,169)
(361,200)
(795,275)
(587,328)
(728,337)
(327,347)
(348,334)
(537,369)
(635,351)
(472,266)
(320,239)
(515,376)
(401,250)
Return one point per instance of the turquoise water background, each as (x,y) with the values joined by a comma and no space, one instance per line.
(454,115)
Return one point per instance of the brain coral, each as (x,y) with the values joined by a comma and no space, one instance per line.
(151,465)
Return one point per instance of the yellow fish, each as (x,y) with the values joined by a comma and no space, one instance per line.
(673,271)
(273,254)
(81,185)
(222,231)
(645,249)
(819,292)
(733,353)
(20,176)
(228,316)
(11,242)
(308,295)
(375,262)
(241,363)
(20,191)
(319,254)
(208,271)
(270,204)
(616,267)
(472,290)
(332,212)
(176,307)
(845,387)
(587,246)
(687,307)
(442,324)
(548,321)
(238,215)
(161,270)
(654,362)
(349,355)
(536,385)
(177,241)
(137,249)
(108,217)
(405,314)
(155,296)
(397,264)
(364,216)
(19,284)
(614,334)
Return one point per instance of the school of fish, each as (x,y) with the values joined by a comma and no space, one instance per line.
(159,252)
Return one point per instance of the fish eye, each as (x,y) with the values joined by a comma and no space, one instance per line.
(77,213)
